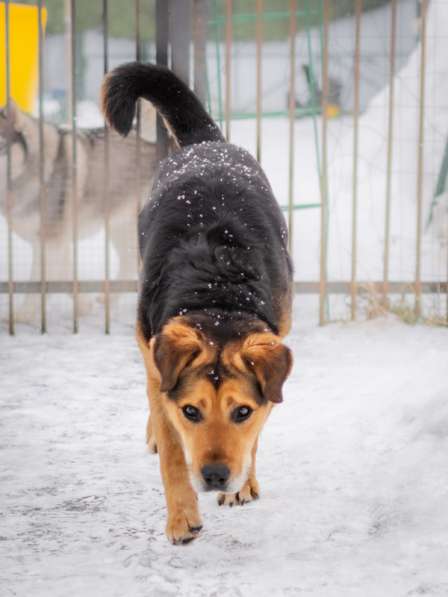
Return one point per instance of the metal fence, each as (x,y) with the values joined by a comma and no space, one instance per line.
(181,42)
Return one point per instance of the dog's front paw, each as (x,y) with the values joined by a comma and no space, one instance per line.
(248,493)
(183,525)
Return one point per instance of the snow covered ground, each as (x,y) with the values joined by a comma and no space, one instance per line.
(352,466)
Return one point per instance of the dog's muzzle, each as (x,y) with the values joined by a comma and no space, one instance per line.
(215,476)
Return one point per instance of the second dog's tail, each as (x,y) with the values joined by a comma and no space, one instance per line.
(181,110)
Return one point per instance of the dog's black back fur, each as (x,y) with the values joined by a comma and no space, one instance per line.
(212,237)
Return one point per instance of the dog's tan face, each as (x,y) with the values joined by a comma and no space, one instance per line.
(218,398)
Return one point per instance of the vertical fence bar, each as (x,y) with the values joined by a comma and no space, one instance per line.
(356,75)
(11,322)
(258,41)
(217,41)
(420,159)
(228,66)
(106,156)
(324,169)
(291,115)
(180,37)
(162,31)
(73,170)
(200,12)
(162,28)
(42,186)
(390,145)
(138,41)
(138,132)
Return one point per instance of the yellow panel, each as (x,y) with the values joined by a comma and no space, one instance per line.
(23,52)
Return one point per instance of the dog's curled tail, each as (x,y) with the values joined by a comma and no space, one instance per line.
(181,110)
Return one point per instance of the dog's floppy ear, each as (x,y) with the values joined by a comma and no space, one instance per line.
(270,361)
(175,348)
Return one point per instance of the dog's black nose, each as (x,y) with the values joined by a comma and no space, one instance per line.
(215,475)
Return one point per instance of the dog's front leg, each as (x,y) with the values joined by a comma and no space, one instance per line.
(184,521)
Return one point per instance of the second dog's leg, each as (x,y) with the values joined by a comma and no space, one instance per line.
(123,235)
(150,436)
(58,254)
(29,309)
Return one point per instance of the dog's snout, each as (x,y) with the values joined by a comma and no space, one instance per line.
(215,475)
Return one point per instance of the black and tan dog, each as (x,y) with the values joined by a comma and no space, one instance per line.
(215,300)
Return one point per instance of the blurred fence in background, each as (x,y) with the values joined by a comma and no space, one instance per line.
(284,78)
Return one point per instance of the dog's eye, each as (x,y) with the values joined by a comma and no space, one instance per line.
(192,413)
(241,413)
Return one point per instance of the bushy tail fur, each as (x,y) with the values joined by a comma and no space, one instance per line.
(181,110)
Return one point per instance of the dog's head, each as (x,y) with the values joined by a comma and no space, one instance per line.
(8,118)
(12,135)
(218,393)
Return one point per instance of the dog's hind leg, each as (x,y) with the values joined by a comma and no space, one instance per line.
(123,235)
(29,309)
(60,266)
(150,437)
(249,492)
(58,254)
